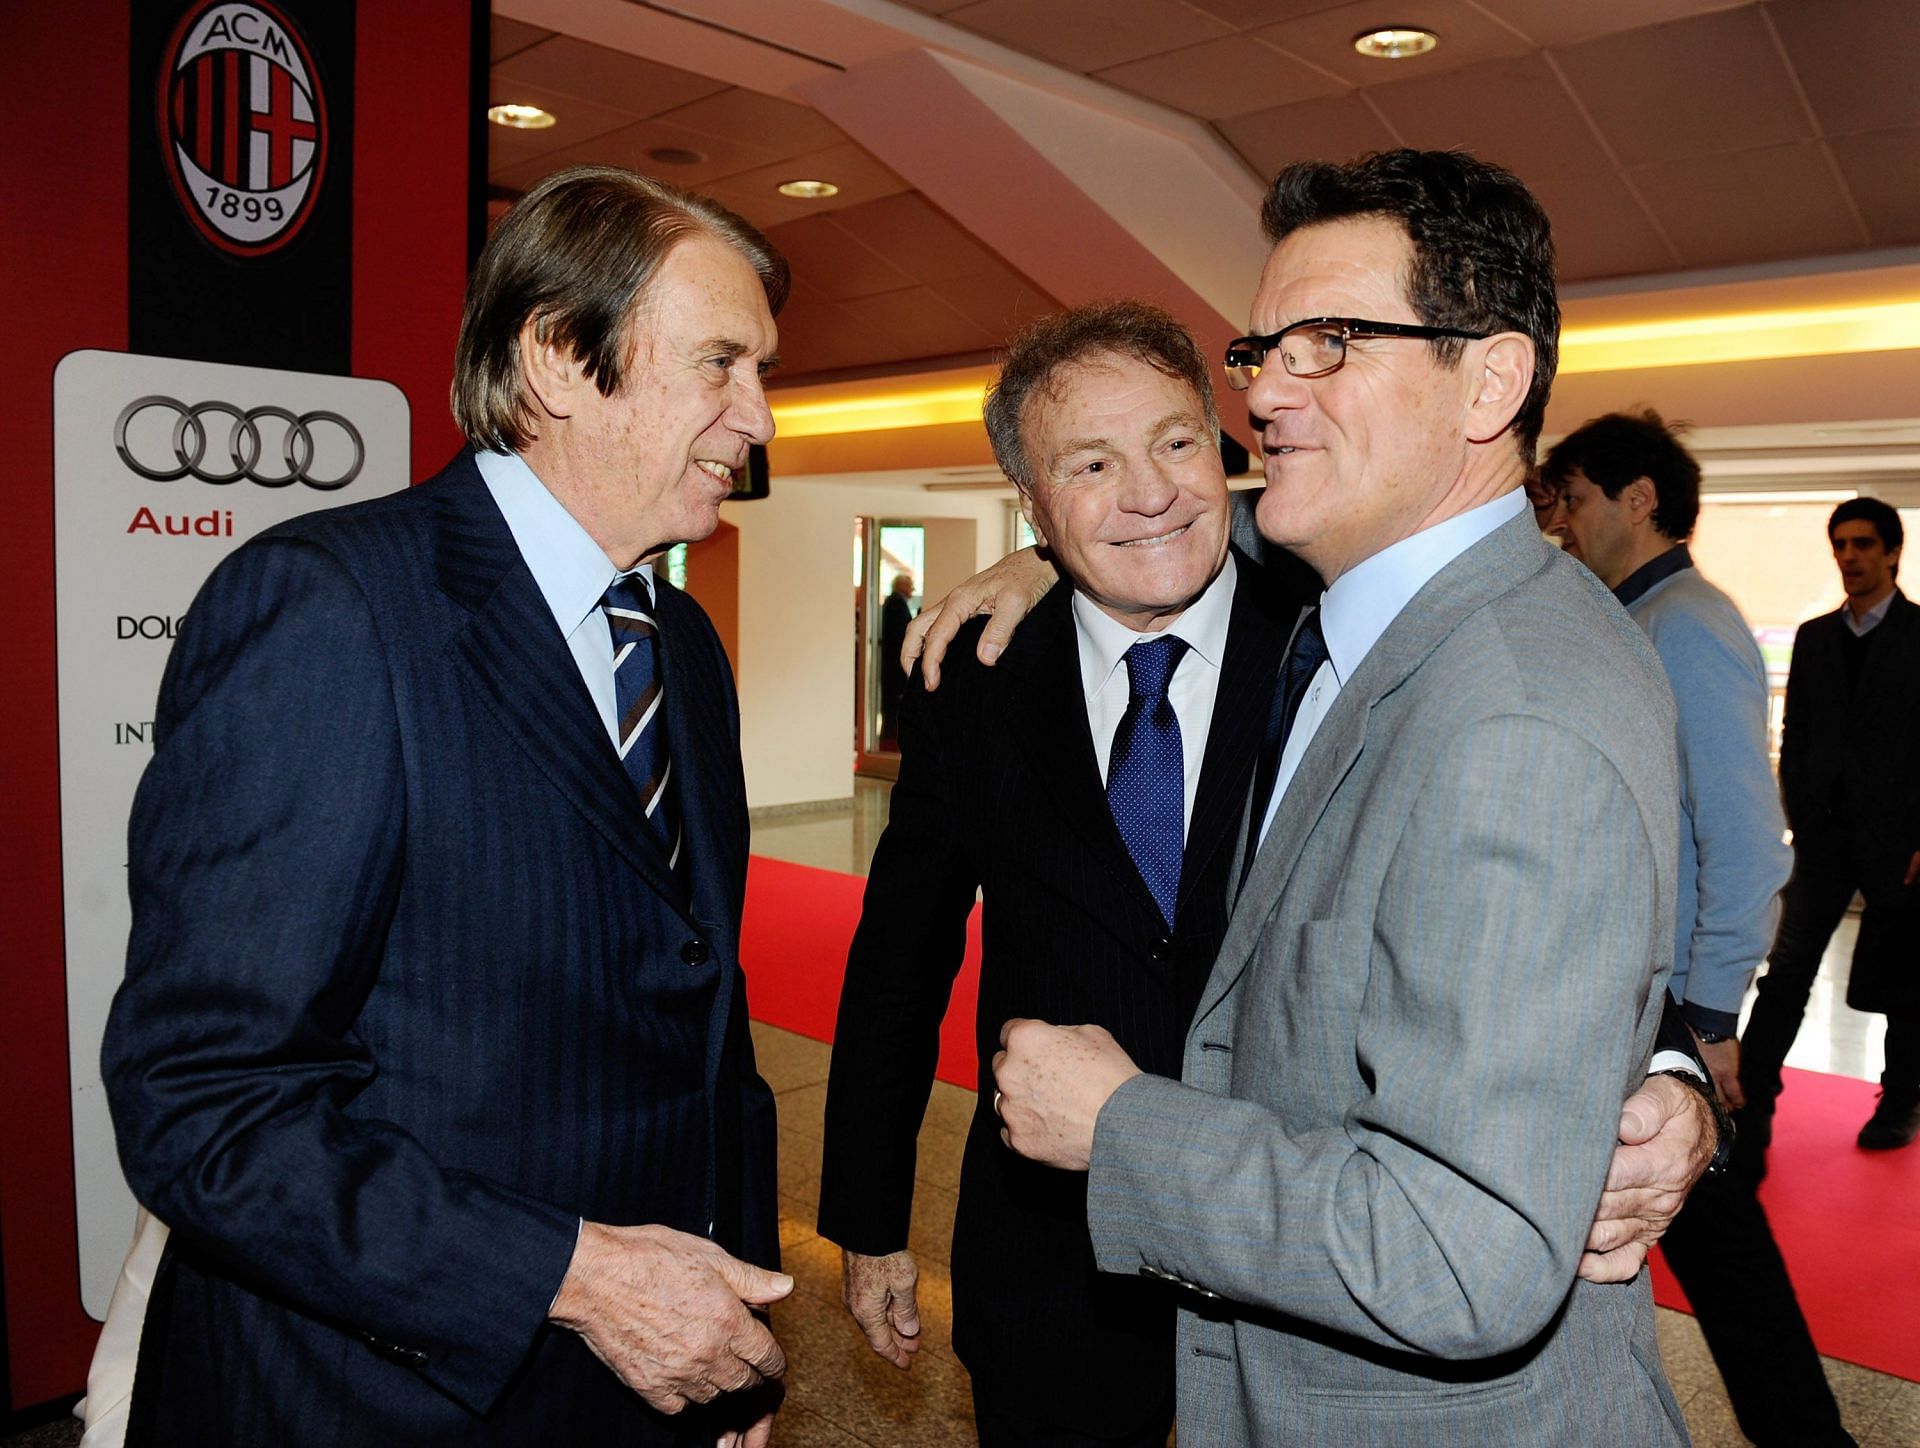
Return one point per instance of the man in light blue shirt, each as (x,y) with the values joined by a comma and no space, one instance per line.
(1628,495)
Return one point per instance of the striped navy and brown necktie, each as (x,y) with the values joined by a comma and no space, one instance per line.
(639,694)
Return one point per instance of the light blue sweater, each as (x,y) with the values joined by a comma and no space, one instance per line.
(1733,860)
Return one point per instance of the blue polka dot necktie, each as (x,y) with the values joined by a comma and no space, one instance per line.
(639,698)
(1146,774)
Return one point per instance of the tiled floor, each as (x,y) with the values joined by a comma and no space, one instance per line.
(843,1394)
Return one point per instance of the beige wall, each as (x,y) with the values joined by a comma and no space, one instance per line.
(796,616)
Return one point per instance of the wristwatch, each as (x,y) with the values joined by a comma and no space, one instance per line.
(1722,1123)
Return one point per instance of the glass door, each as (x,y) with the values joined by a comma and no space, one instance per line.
(889,570)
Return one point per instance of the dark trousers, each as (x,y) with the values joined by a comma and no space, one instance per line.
(1722,1250)
(1815,900)
(1000,1426)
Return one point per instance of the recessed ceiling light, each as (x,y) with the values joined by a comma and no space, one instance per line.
(675,156)
(521,118)
(809,190)
(1395,42)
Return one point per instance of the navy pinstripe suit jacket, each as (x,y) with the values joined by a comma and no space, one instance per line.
(409,992)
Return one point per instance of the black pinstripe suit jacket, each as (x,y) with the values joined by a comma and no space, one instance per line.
(999,789)
(409,992)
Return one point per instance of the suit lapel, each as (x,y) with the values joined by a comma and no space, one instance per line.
(1493,566)
(1249,669)
(1047,717)
(1888,656)
(527,675)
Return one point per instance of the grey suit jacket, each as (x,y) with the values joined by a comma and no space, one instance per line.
(1403,1083)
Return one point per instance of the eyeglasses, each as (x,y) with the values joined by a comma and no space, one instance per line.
(1318,346)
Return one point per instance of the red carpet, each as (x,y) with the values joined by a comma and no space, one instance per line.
(1848,1221)
(799,923)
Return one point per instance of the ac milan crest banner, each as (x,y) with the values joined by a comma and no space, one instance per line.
(238,310)
(240,174)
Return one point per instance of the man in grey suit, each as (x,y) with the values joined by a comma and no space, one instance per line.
(1401,1086)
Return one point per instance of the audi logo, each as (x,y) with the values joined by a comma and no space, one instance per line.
(244,444)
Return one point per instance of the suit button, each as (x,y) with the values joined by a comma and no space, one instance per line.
(695,952)
(1161,951)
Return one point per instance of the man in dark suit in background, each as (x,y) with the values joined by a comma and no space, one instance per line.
(1102,861)
(1850,776)
(895,614)
(433,1046)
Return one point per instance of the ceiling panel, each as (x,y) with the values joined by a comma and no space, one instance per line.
(751,119)
(924,239)
(630,146)
(1246,14)
(576,68)
(919,324)
(841,267)
(1000,302)
(817,336)
(1088,35)
(1514,112)
(1881,168)
(1560,22)
(509,36)
(1325,38)
(1694,88)
(1856,60)
(1759,205)
(1600,229)
(575,120)
(1221,78)
(854,170)
(1341,126)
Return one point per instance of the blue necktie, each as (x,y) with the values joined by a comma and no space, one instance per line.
(1146,777)
(639,700)
(1304,658)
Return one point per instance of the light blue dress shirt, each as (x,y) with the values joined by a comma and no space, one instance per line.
(572,571)
(1364,600)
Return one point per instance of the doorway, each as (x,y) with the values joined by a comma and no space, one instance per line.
(889,577)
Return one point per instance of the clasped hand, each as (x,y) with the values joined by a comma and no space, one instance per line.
(1050,1083)
(668,1313)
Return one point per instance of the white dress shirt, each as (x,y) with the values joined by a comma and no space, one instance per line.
(572,571)
(1104,642)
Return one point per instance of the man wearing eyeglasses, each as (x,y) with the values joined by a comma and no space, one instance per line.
(1402,1083)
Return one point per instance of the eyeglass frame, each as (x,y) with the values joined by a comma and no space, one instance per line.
(1350,328)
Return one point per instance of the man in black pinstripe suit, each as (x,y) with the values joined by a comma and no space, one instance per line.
(1104,419)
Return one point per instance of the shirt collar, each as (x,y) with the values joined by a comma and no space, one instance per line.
(1873,617)
(571,571)
(1637,584)
(1104,640)
(1365,599)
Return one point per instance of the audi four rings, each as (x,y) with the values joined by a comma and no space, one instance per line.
(244,446)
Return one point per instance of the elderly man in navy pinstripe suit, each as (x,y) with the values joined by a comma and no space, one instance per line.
(432,1047)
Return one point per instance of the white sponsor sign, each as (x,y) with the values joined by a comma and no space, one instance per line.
(160,469)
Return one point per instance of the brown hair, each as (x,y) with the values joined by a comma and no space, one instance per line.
(1482,249)
(576,255)
(1037,354)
